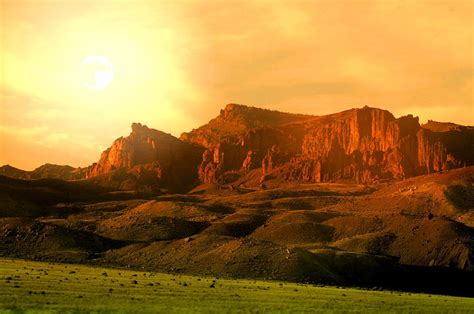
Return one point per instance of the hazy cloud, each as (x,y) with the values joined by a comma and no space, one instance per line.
(178,62)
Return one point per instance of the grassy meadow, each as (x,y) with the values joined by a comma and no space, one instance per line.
(27,286)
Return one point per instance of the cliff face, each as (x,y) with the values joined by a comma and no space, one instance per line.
(362,145)
(241,136)
(234,120)
(243,143)
(148,159)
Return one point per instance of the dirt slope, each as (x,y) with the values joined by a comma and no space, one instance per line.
(345,234)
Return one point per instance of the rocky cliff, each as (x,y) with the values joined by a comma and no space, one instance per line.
(362,145)
(147,159)
(252,146)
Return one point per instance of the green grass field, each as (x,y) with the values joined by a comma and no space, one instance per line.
(27,286)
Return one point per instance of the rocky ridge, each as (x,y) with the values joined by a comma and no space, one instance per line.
(147,159)
(363,145)
(251,146)
(44,171)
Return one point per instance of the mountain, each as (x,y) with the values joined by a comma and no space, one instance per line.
(44,171)
(147,160)
(360,145)
(13,172)
(248,146)
(358,198)
(236,119)
(436,126)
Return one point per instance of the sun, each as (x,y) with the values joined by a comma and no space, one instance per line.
(97,72)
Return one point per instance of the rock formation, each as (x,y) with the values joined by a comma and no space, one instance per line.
(242,143)
(148,159)
(362,145)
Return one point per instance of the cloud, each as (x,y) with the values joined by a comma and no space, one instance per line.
(33,132)
(177,63)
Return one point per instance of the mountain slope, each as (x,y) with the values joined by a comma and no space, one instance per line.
(235,119)
(412,234)
(248,146)
(44,171)
(147,160)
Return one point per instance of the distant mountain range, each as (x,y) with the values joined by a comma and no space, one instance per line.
(44,171)
(248,146)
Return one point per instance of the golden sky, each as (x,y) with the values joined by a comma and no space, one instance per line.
(178,62)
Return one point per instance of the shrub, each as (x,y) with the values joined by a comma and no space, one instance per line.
(461,196)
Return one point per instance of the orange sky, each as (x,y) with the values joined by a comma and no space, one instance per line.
(178,62)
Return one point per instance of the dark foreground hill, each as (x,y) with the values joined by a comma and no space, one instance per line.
(416,234)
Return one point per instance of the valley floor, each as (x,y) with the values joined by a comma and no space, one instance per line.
(51,287)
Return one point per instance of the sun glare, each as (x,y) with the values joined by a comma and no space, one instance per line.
(97,72)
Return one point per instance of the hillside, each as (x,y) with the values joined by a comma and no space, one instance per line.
(418,230)
(44,171)
(235,119)
(51,287)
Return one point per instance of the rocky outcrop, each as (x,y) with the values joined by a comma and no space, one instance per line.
(361,145)
(370,144)
(211,166)
(241,137)
(439,151)
(148,158)
(235,120)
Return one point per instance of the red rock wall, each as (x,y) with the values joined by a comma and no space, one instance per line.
(362,145)
(150,154)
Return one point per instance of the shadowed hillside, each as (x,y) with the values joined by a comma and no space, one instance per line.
(410,235)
